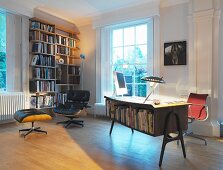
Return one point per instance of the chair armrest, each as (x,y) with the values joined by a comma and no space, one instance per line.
(193,104)
(204,106)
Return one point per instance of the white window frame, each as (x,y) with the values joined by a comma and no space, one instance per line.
(150,48)
(103,54)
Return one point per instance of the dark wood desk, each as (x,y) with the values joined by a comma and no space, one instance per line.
(151,119)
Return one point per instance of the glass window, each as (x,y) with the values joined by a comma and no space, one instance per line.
(2,52)
(129,56)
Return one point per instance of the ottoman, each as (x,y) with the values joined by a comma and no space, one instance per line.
(31,115)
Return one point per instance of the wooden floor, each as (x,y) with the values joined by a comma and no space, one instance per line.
(91,148)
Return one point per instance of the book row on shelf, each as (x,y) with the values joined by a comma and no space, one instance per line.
(74,80)
(65,41)
(38,36)
(61,98)
(43,60)
(42,86)
(40,47)
(63,50)
(139,119)
(42,26)
(74,70)
(42,101)
(43,73)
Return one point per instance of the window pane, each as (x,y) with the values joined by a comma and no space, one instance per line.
(2,52)
(140,90)
(141,34)
(140,71)
(117,55)
(129,88)
(129,36)
(2,61)
(118,38)
(141,54)
(129,54)
(2,80)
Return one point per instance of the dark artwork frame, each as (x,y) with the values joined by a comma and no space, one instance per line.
(175,53)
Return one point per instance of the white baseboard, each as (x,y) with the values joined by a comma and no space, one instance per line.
(99,109)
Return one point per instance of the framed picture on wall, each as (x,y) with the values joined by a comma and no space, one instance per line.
(175,53)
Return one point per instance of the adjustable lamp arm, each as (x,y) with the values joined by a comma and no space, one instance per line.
(156,81)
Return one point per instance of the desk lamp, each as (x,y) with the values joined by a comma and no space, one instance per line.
(155,81)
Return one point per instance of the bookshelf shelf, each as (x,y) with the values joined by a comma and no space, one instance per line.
(46,32)
(67,84)
(62,54)
(74,75)
(42,53)
(42,42)
(42,79)
(42,66)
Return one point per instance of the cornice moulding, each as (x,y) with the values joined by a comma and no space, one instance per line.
(168,3)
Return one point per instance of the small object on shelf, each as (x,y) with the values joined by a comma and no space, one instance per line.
(61,61)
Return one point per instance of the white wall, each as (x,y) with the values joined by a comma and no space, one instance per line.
(87,46)
(173,27)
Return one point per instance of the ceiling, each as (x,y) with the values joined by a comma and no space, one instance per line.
(76,10)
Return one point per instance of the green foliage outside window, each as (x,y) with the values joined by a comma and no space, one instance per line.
(2,52)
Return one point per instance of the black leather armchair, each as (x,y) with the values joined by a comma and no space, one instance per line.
(77,100)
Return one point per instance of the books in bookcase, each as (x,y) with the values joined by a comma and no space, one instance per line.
(40,47)
(61,98)
(41,26)
(63,50)
(42,101)
(74,70)
(42,86)
(142,120)
(43,73)
(43,60)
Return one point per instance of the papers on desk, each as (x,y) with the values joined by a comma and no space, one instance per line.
(165,101)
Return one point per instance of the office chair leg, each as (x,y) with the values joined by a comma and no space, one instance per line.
(67,124)
(63,122)
(198,137)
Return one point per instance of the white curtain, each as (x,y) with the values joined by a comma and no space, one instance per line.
(103,69)
(16,51)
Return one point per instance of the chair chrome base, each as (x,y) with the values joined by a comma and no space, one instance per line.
(191,134)
(72,121)
(32,129)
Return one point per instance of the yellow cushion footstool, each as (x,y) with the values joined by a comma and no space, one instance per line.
(31,115)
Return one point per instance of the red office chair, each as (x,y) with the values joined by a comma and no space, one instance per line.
(197,111)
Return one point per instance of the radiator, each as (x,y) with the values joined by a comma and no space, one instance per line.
(9,104)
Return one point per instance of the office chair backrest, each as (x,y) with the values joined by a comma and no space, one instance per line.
(81,96)
(197,108)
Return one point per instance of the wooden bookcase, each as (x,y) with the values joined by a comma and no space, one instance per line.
(49,44)
(68,72)
(42,63)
